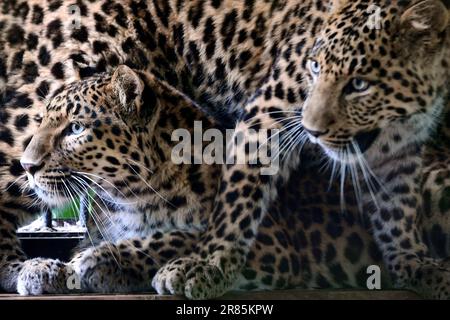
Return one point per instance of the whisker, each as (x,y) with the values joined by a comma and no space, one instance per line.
(278,133)
(151,188)
(342,182)
(140,165)
(299,141)
(86,175)
(106,192)
(16,180)
(112,222)
(333,174)
(100,221)
(356,186)
(367,179)
(275,112)
(294,131)
(74,204)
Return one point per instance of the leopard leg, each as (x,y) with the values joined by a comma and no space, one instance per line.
(16,209)
(395,210)
(125,266)
(435,220)
(246,192)
(11,254)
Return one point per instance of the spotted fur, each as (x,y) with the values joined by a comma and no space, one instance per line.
(238,60)
(366,91)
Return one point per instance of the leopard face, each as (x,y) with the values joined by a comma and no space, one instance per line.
(376,89)
(112,135)
(91,134)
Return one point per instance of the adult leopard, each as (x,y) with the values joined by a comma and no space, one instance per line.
(370,96)
(46,44)
(228,56)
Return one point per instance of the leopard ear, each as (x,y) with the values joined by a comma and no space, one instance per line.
(170,95)
(127,89)
(425,20)
(164,100)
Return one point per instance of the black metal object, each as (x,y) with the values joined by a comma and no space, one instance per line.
(51,243)
(48,218)
(51,248)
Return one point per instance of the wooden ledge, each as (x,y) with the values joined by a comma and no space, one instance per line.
(266,295)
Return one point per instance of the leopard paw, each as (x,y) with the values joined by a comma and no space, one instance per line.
(436,281)
(104,269)
(39,276)
(195,279)
(95,269)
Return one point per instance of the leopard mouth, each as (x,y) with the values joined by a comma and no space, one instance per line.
(350,151)
(364,140)
(54,190)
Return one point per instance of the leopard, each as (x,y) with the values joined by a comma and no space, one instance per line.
(241,62)
(373,81)
(50,63)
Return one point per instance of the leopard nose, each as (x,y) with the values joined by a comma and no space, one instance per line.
(31,168)
(316,134)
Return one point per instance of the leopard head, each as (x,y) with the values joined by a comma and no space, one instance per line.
(112,134)
(379,77)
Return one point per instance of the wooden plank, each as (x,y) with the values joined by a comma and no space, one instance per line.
(263,295)
(149,296)
(324,295)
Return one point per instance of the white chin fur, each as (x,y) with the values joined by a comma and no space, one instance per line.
(313,139)
(31,181)
(336,156)
(52,201)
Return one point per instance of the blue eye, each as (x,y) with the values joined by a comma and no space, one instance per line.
(314,67)
(76,128)
(360,85)
(357,85)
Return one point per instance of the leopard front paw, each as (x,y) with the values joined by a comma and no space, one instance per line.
(39,276)
(436,281)
(107,269)
(195,279)
(98,269)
